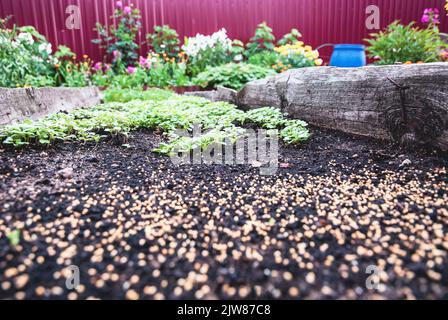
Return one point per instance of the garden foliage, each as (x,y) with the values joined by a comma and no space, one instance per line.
(232,75)
(405,44)
(154,109)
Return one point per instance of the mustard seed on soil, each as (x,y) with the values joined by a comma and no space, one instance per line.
(139,227)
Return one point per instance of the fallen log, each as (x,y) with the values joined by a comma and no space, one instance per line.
(406,103)
(19,104)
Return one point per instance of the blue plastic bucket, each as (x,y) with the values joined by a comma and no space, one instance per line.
(348,56)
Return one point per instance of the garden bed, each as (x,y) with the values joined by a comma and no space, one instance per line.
(139,227)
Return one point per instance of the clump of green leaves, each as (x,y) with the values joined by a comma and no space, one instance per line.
(232,75)
(291,131)
(264,59)
(156,109)
(124,95)
(405,43)
(263,39)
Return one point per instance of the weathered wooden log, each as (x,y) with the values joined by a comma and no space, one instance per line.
(220,94)
(407,103)
(19,104)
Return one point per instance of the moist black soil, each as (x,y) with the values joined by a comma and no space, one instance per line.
(343,217)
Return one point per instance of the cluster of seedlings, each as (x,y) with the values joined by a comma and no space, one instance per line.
(129,110)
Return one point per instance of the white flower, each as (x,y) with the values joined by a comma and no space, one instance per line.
(45,47)
(200,42)
(25,38)
(15,44)
(238,58)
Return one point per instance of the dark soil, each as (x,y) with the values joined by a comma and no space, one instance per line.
(138,226)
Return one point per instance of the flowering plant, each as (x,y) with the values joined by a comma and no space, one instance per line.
(25,57)
(431,16)
(164,40)
(120,40)
(406,44)
(296,56)
(69,72)
(154,70)
(203,51)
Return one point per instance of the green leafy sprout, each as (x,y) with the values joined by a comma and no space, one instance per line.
(14,237)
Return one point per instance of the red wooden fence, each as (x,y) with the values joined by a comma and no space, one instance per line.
(320,21)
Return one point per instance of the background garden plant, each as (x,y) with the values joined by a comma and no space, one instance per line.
(232,75)
(165,40)
(119,40)
(406,44)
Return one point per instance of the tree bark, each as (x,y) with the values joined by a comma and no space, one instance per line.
(406,103)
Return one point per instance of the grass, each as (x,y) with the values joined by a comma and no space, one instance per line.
(128,110)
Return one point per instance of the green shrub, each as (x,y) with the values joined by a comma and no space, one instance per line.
(25,57)
(232,75)
(165,40)
(262,40)
(290,38)
(405,43)
(264,58)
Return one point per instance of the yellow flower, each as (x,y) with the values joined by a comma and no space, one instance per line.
(308,48)
(85,56)
(318,62)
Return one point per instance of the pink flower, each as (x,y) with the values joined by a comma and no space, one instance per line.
(127,10)
(116,54)
(106,67)
(98,66)
(131,69)
(431,16)
(119,4)
(144,63)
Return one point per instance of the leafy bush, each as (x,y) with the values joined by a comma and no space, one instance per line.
(232,75)
(405,43)
(119,40)
(290,38)
(264,58)
(207,51)
(25,57)
(262,40)
(71,73)
(164,40)
(157,109)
